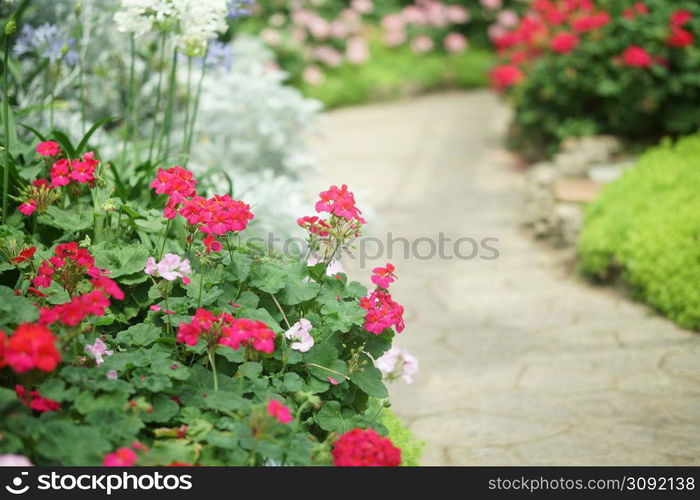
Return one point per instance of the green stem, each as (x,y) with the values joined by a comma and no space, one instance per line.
(193,122)
(130,101)
(158,97)
(187,109)
(167,124)
(201,287)
(279,307)
(165,238)
(6,120)
(328,370)
(167,308)
(213,369)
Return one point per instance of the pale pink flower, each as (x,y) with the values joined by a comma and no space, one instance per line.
(300,334)
(319,28)
(393,22)
(357,50)
(496,31)
(492,4)
(271,37)
(98,351)
(10,460)
(329,56)
(339,29)
(362,6)
(394,38)
(415,15)
(508,18)
(457,14)
(422,44)
(112,375)
(397,362)
(436,15)
(277,20)
(313,75)
(171,267)
(455,42)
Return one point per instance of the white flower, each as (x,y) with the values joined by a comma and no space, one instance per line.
(171,267)
(98,350)
(397,362)
(10,460)
(299,332)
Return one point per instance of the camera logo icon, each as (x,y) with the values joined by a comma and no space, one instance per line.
(17,488)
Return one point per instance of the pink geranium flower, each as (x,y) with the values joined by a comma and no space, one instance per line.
(279,411)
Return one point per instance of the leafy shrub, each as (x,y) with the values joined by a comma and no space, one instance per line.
(647,225)
(578,67)
(165,337)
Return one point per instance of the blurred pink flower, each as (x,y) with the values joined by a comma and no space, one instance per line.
(496,31)
(357,50)
(415,15)
(492,4)
(362,6)
(508,18)
(394,38)
(328,55)
(457,14)
(339,29)
(422,44)
(319,28)
(397,362)
(436,14)
(112,375)
(270,36)
(10,460)
(298,35)
(455,42)
(313,75)
(393,22)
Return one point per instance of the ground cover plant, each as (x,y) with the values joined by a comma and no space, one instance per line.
(645,228)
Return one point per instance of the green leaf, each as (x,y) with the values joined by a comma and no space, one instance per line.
(115,425)
(293,382)
(297,292)
(142,334)
(342,316)
(65,143)
(170,369)
(224,401)
(15,309)
(269,278)
(379,344)
(261,315)
(164,409)
(86,402)
(65,443)
(331,417)
(88,135)
(250,370)
(71,221)
(122,260)
(369,379)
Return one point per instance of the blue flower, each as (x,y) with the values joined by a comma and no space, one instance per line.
(47,40)
(239,8)
(219,56)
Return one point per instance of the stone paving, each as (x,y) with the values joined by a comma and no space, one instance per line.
(522,361)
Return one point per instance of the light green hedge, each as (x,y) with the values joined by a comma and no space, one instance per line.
(402,437)
(647,226)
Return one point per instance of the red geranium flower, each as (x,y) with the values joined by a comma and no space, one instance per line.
(564,43)
(365,448)
(679,38)
(637,57)
(32,346)
(506,75)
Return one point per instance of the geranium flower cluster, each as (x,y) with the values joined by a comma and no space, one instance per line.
(365,448)
(279,412)
(382,311)
(214,217)
(559,26)
(36,401)
(70,265)
(178,184)
(224,329)
(170,268)
(31,346)
(41,193)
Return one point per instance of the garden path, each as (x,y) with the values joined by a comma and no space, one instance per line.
(522,362)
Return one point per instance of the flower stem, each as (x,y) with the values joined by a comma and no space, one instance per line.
(168,120)
(187,109)
(212,362)
(130,102)
(158,97)
(164,236)
(328,370)
(193,121)
(6,123)
(279,307)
